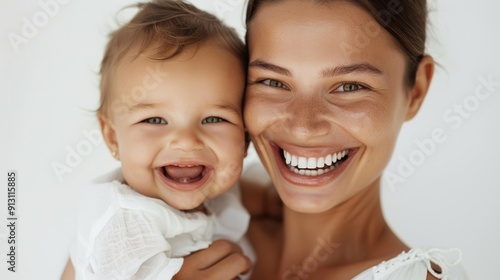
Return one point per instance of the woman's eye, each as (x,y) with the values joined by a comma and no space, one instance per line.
(273,83)
(155,120)
(349,87)
(212,120)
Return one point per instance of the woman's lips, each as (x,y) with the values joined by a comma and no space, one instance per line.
(184,177)
(311,170)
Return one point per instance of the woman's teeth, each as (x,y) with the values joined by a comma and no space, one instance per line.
(314,166)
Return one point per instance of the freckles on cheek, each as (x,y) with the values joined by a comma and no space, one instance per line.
(365,122)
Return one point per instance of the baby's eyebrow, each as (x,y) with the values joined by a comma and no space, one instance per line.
(228,107)
(144,106)
(141,106)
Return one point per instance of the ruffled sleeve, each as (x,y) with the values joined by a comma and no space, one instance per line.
(415,264)
(130,246)
(124,235)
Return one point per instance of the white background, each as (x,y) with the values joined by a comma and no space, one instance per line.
(49,86)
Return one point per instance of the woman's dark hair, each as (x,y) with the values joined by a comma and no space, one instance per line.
(405,20)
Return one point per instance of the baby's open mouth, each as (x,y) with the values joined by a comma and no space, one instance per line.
(184,173)
(314,166)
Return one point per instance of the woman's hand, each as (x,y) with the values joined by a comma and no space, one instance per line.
(222,260)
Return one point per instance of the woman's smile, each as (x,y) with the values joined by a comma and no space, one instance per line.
(311,166)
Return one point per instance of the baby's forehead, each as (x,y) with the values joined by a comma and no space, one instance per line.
(137,57)
(206,73)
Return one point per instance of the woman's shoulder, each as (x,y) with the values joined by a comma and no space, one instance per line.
(418,264)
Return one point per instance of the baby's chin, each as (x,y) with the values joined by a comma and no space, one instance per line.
(187,205)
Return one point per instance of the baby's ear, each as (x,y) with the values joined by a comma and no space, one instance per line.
(109,135)
(423,78)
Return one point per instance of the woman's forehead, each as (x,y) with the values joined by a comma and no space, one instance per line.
(306,32)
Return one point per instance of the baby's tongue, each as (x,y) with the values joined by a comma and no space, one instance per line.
(184,174)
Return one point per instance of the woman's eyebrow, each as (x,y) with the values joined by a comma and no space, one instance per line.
(269,66)
(348,69)
(328,72)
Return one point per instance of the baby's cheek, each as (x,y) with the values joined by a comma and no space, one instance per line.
(227,177)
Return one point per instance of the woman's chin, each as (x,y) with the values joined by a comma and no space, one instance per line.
(307,202)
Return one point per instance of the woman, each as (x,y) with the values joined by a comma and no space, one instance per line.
(330,84)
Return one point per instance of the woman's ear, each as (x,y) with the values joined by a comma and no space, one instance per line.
(109,135)
(423,78)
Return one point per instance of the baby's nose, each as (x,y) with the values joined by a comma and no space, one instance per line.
(186,139)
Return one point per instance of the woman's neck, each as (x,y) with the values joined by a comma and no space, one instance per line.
(352,232)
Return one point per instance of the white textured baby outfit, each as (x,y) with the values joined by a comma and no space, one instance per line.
(414,265)
(125,235)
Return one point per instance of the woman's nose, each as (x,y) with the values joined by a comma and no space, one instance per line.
(185,139)
(306,119)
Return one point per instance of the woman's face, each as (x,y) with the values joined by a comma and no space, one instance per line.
(325,99)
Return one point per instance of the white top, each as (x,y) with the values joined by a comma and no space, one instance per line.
(415,264)
(411,265)
(125,235)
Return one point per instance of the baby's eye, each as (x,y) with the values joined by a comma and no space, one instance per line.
(212,120)
(274,83)
(155,120)
(349,87)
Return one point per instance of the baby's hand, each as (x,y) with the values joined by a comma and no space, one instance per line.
(222,260)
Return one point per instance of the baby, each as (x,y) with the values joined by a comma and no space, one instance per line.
(171,112)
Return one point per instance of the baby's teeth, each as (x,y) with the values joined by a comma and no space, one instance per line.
(302,162)
(294,161)
(311,163)
(328,160)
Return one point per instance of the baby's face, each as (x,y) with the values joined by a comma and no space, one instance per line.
(177,124)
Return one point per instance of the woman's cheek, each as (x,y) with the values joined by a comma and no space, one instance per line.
(261,115)
(252,116)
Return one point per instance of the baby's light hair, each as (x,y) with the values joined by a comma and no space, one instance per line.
(162,29)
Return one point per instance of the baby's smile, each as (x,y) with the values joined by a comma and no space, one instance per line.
(184,173)
(183,176)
